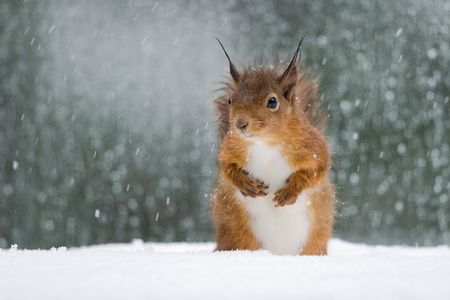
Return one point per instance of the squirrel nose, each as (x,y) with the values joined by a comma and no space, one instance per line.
(241,124)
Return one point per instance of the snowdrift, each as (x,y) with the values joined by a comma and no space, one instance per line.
(192,271)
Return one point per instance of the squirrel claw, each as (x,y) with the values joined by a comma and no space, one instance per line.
(253,194)
(253,188)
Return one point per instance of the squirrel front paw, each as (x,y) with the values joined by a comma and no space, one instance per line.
(250,187)
(285,196)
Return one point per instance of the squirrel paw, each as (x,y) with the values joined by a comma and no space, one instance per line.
(284,196)
(252,187)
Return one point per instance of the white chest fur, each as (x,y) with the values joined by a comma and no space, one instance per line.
(281,230)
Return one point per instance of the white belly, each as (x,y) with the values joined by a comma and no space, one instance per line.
(280,230)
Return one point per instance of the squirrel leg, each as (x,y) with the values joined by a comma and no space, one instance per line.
(318,240)
(233,231)
(231,237)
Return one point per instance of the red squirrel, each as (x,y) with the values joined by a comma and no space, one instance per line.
(273,190)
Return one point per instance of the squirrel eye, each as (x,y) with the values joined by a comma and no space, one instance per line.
(272,103)
(229,101)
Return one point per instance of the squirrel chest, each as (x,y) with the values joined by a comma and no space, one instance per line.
(281,230)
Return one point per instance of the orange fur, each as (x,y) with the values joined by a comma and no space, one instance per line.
(295,126)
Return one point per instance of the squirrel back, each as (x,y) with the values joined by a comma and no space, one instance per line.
(273,190)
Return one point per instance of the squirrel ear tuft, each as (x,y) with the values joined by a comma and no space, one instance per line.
(290,75)
(233,71)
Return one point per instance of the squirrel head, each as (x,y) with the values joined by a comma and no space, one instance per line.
(262,99)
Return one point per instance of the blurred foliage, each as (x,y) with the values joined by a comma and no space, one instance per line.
(106,135)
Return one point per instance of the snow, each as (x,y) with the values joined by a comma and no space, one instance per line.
(192,271)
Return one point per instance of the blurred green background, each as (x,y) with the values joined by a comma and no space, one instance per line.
(107,133)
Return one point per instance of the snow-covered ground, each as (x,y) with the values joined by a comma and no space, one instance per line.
(192,271)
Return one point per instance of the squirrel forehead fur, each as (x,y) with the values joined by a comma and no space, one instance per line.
(255,84)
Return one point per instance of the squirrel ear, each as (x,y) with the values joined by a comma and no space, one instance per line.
(233,71)
(290,75)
